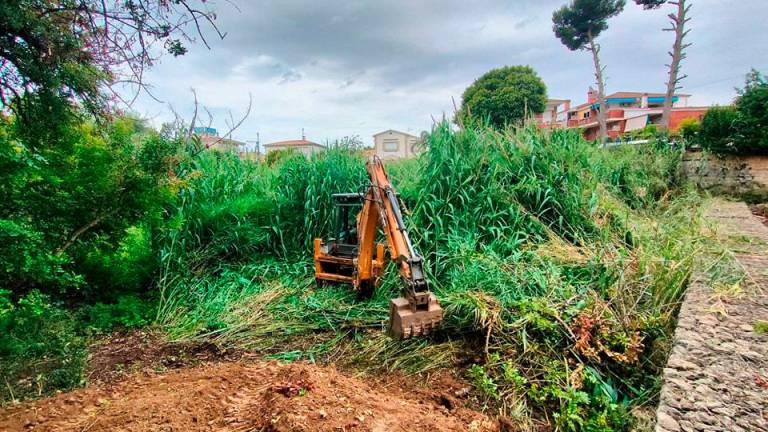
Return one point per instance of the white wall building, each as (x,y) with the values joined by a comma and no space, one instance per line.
(307,148)
(392,144)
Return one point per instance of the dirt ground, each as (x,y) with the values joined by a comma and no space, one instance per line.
(139,383)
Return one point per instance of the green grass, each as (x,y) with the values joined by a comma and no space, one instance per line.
(552,258)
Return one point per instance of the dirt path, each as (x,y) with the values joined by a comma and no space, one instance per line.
(266,396)
(717,375)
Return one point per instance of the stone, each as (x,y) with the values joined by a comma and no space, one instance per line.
(725,412)
(666,423)
(680,364)
(686,426)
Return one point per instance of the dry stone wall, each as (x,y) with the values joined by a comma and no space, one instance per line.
(716,378)
(744,176)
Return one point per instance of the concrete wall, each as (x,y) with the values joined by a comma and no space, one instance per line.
(740,176)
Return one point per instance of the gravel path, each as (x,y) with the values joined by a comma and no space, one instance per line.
(717,375)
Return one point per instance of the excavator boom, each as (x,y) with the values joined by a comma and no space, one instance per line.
(417,312)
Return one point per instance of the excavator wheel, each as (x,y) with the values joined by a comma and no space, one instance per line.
(405,322)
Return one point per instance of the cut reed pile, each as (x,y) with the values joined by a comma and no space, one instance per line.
(559,263)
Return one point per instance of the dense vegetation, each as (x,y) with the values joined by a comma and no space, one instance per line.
(742,128)
(559,264)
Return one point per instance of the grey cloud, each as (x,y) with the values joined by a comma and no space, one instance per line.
(396,63)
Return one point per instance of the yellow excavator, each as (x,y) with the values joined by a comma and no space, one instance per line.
(353,256)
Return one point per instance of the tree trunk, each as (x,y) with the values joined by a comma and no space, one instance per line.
(677,21)
(595,48)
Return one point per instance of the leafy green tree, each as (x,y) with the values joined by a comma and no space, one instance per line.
(72,203)
(752,105)
(577,25)
(742,128)
(677,23)
(71,49)
(504,96)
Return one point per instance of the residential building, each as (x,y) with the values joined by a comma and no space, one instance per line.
(210,138)
(392,144)
(302,146)
(625,112)
(555,113)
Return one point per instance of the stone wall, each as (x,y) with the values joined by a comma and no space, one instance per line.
(740,176)
(716,377)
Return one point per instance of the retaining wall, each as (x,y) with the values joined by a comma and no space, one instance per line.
(740,176)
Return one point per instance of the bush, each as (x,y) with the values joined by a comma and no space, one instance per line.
(752,105)
(742,129)
(73,202)
(40,349)
(127,312)
(719,129)
(689,130)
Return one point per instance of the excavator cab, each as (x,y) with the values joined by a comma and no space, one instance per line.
(354,256)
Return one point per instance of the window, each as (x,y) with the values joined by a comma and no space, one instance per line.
(391,144)
(586,115)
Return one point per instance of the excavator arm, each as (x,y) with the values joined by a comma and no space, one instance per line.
(417,312)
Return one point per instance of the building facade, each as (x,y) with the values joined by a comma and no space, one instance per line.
(554,114)
(307,148)
(392,144)
(625,112)
(210,139)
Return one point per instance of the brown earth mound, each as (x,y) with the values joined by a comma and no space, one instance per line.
(245,397)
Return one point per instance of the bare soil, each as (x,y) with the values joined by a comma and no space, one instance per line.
(238,396)
(123,353)
(139,382)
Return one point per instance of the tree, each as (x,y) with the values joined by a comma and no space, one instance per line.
(504,96)
(678,21)
(72,49)
(752,105)
(577,25)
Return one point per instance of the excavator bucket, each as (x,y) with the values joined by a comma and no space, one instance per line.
(406,322)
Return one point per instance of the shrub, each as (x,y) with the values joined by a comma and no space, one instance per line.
(39,347)
(127,312)
(719,129)
(752,105)
(742,129)
(71,201)
(689,130)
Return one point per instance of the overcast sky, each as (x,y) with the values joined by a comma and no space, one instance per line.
(339,68)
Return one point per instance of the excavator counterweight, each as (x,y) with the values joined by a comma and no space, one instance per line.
(353,256)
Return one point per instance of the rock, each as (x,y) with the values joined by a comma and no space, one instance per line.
(665,422)
(680,364)
(686,426)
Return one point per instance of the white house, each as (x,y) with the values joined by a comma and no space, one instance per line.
(392,144)
(302,146)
